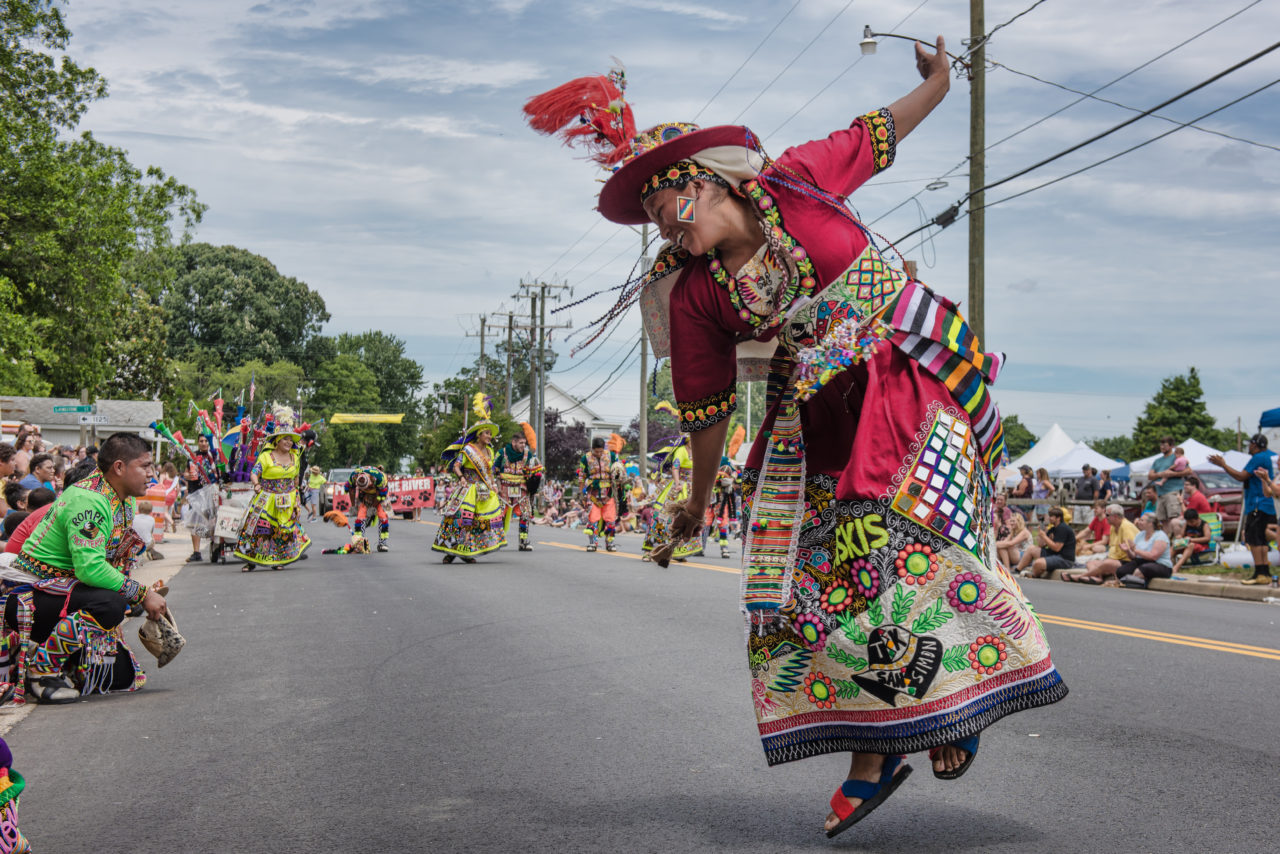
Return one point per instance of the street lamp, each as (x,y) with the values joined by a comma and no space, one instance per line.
(973,65)
(869,44)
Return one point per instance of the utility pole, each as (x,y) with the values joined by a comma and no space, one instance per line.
(977,167)
(644,364)
(511,325)
(483,371)
(538,377)
(84,434)
(533,367)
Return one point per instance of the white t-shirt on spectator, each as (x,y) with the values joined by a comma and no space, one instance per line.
(145,525)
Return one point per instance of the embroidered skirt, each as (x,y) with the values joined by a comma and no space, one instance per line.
(473,522)
(272,533)
(898,631)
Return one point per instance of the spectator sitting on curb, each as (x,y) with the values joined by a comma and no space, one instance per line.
(15,497)
(1098,531)
(1056,549)
(1148,555)
(43,470)
(1166,477)
(1123,533)
(145,526)
(1258,512)
(7,453)
(1009,549)
(1195,540)
(39,500)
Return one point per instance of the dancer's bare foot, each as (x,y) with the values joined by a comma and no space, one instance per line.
(949,758)
(863,766)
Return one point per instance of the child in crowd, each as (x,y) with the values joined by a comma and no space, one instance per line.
(1098,531)
(1180,462)
(145,526)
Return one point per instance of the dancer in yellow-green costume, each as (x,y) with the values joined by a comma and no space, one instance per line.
(272,533)
(473,520)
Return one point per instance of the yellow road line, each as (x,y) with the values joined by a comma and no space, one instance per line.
(1069,622)
(1165,637)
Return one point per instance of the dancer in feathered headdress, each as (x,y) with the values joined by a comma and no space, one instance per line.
(520,477)
(272,532)
(473,521)
(871,476)
(597,471)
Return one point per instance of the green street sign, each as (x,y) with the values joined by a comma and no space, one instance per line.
(85,407)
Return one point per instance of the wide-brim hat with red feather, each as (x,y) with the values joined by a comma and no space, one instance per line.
(592,112)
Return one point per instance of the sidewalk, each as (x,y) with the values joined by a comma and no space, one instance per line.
(1217,588)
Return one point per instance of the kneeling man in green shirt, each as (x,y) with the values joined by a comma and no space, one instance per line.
(80,557)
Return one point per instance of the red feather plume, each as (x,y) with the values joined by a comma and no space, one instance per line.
(590,111)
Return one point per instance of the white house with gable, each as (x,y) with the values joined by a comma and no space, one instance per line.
(571,409)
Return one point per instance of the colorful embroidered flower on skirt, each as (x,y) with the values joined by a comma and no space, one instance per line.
(987,654)
(819,690)
(866,577)
(917,564)
(810,630)
(836,598)
(966,592)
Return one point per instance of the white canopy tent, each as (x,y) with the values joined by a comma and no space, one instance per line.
(1053,444)
(1070,463)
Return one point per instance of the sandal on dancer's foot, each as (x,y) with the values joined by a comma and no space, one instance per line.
(968,745)
(872,794)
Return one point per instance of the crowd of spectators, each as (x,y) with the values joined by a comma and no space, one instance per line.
(1167,528)
(34,473)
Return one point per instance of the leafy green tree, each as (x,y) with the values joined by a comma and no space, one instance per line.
(73,211)
(22,347)
(1178,410)
(1017,438)
(565,441)
(227,303)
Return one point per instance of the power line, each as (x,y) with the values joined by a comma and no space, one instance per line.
(986,38)
(835,79)
(768,35)
(1134,109)
(950,215)
(592,228)
(1043,119)
(793,61)
(1180,126)
(1108,159)
(627,362)
(1129,73)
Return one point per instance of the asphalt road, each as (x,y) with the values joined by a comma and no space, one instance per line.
(563,701)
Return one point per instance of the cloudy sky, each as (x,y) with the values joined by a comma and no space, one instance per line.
(376,151)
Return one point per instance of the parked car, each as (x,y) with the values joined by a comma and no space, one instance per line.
(334,483)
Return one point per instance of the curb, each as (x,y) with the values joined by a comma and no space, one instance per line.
(1212,589)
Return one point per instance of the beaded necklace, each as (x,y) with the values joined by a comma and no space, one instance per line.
(742,293)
